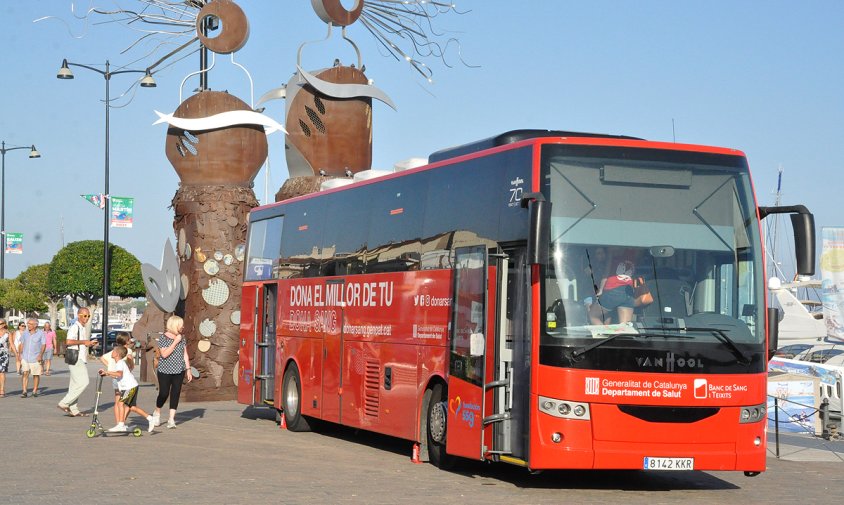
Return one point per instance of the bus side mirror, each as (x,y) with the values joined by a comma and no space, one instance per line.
(773,331)
(803,223)
(539,231)
(804,242)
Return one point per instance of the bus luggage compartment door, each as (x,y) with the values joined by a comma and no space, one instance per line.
(464,435)
(332,366)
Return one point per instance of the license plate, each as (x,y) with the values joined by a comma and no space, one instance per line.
(669,463)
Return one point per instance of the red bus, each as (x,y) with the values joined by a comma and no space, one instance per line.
(553,300)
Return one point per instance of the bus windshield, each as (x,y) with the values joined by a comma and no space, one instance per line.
(651,250)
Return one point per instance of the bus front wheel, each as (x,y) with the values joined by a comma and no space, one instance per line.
(436,432)
(291,400)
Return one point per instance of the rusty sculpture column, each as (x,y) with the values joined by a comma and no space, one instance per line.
(211,208)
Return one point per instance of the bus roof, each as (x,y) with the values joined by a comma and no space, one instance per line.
(514,137)
(511,137)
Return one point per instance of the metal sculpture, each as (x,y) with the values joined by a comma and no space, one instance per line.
(217,143)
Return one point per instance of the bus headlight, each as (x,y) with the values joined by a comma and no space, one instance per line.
(564,408)
(753,413)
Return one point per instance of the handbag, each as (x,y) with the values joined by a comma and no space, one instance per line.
(71,356)
(641,294)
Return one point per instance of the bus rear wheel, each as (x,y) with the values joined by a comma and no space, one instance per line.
(436,432)
(291,400)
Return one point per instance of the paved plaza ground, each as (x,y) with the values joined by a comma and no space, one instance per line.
(225,453)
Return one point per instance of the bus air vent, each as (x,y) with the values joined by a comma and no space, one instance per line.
(372,382)
(669,414)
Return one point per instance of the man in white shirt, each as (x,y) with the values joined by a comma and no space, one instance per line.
(78,336)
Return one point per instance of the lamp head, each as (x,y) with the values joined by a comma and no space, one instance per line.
(148,81)
(64,72)
(34,153)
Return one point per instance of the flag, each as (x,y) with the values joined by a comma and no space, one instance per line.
(832,281)
(14,243)
(121,211)
(97,200)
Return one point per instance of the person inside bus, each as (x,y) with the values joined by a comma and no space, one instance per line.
(615,294)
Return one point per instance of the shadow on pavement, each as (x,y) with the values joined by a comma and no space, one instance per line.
(558,479)
(185,415)
(254,413)
(622,480)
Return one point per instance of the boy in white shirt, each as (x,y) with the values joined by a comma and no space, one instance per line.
(122,339)
(128,387)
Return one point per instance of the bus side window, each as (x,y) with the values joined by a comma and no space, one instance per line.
(395,232)
(343,250)
(264,243)
(300,244)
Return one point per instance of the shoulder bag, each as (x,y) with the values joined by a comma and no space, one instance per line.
(641,294)
(71,356)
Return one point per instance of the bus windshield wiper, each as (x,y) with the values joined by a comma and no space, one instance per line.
(721,335)
(580,351)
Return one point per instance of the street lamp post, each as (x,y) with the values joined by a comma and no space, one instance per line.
(146,82)
(33,153)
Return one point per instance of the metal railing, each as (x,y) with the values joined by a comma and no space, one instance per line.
(804,420)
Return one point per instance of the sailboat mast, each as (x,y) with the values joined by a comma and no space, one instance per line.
(772,228)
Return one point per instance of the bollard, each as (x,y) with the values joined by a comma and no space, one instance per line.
(823,412)
(777,424)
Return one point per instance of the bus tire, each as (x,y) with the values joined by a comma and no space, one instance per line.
(437,417)
(291,400)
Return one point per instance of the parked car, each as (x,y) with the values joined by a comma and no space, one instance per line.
(791,350)
(822,353)
(111,339)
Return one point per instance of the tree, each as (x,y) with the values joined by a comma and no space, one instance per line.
(20,297)
(33,282)
(77,270)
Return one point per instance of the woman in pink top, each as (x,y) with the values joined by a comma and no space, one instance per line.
(50,340)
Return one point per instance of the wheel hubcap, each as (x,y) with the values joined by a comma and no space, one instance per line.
(291,398)
(436,423)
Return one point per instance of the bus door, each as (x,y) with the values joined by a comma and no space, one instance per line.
(468,343)
(510,383)
(265,345)
(332,357)
(256,380)
(250,308)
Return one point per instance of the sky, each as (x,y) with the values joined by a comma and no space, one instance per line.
(762,77)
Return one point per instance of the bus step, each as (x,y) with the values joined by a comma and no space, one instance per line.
(264,344)
(263,377)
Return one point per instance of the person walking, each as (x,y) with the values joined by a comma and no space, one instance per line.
(78,335)
(50,340)
(171,369)
(31,352)
(5,344)
(16,343)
